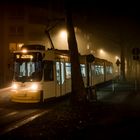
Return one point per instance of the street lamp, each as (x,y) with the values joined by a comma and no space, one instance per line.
(60,39)
(116,57)
(102,51)
(63,34)
(102,54)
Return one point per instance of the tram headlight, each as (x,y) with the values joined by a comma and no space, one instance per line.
(14,86)
(34,87)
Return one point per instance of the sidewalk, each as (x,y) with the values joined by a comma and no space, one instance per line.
(117,89)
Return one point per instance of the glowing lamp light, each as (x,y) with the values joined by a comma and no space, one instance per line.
(20,45)
(31,57)
(87,46)
(34,87)
(24,51)
(117,57)
(14,86)
(101,51)
(63,34)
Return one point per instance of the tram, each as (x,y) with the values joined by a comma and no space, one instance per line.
(41,74)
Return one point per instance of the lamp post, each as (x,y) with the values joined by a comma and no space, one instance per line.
(118,64)
(63,34)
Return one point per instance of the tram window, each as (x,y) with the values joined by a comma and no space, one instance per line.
(102,70)
(99,69)
(58,72)
(96,70)
(92,68)
(108,69)
(31,68)
(48,71)
(23,69)
(62,73)
(68,70)
(83,70)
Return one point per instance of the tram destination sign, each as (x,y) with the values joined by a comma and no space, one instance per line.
(28,56)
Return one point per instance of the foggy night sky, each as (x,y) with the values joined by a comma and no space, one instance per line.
(92,10)
(104,19)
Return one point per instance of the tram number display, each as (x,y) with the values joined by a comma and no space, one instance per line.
(29,56)
(24,56)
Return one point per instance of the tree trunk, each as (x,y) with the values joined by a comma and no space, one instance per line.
(78,90)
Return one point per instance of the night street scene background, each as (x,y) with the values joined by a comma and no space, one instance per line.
(95,59)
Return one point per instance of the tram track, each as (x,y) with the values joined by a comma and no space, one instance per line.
(22,121)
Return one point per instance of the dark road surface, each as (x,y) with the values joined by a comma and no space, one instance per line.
(116,115)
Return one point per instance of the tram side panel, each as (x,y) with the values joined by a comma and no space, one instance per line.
(48,79)
(98,72)
(60,84)
(108,71)
(68,76)
(59,76)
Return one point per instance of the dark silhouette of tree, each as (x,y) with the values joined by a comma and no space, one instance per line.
(78,94)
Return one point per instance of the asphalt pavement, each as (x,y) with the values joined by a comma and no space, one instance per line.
(114,115)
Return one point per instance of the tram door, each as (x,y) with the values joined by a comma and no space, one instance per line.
(90,75)
(60,78)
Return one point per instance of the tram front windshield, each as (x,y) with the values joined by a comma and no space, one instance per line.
(27,70)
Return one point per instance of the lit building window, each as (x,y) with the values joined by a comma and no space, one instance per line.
(12,47)
(15,46)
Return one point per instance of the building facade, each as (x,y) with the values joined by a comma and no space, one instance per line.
(19,24)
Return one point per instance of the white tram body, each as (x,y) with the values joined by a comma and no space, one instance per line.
(41,74)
